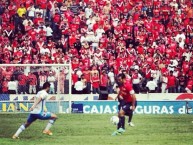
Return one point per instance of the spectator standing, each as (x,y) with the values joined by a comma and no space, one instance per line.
(181,83)
(111,76)
(74,80)
(5,86)
(32,83)
(87,76)
(22,83)
(189,85)
(49,32)
(136,80)
(84,91)
(79,86)
(42,79)
(62,77)
(12,87)
(21,10)
(51,79)
(74,8)
(171,83)
(31,11)
(164,82)
(88,11)
(95,83)
(151,86)
(103,86)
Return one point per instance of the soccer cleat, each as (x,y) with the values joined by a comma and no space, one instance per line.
(121,130)
(48,132)
(115,133)
(131,124)
(15,137)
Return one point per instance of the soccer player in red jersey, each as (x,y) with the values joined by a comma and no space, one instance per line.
(127,93)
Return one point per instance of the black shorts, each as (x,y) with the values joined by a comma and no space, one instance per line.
(127,107)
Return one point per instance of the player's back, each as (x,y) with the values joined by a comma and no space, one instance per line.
(40,106)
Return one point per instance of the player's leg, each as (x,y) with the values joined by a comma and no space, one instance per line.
(129,113)
(48,116)
(121,123)
(30,119)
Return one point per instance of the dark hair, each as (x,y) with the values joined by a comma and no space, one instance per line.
(46,85)
(122,76)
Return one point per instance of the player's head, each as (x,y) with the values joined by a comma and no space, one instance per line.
(46,86)
(120,79)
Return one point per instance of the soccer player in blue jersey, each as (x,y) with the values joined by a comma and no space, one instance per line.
(37,111)
(129,102)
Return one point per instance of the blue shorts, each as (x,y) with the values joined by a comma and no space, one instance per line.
(41,116)
(126,107)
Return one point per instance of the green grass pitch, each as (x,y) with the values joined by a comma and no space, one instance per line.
(96,129)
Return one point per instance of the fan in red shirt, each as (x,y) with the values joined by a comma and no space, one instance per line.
(171,83)
(95,83)
(74,80)
(22,81)
(103,79)
(32,83)
(5,86)
(189,85)
(87,75)
(128,102)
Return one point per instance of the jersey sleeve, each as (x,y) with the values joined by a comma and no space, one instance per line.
(43,95)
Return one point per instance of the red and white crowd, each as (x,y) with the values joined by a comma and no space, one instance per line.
(148,40)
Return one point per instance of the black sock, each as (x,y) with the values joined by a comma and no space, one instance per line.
(121,123)
(130,117)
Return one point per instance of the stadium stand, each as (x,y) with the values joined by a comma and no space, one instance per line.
(142,38)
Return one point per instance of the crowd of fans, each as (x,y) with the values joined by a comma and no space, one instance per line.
(148,40)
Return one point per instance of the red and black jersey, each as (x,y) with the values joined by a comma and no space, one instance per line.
(126,91)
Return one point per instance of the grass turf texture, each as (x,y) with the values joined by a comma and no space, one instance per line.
(95,129)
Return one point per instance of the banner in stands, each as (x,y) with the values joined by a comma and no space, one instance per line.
(143,107)
(103,107)
(91,97)
(25,106)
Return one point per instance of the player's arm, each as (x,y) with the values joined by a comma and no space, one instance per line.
(118,94)
(35,103)
(132,94)
(133,101)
